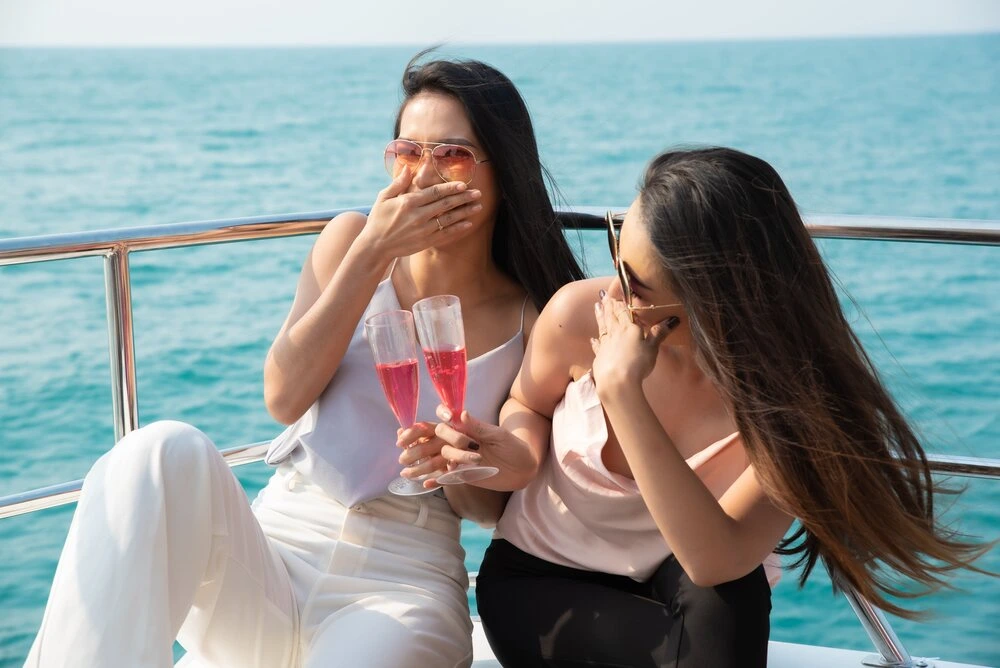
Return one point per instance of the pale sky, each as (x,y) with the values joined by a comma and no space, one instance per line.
(422,22)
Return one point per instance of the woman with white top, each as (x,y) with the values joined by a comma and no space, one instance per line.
(667,426)
(326,568)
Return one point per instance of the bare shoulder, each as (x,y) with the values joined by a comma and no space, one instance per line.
(570,312)
(559,347)
(561,335)
(341,231)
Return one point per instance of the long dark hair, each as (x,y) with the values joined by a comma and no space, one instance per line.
(528,240)
(826,439)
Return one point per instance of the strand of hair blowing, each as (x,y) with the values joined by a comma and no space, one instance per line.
(528,241)
(825,438)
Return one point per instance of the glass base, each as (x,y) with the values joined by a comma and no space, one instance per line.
(467,473)
(405,487)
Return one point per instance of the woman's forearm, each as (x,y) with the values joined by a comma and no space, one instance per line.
(701,535)
(525,446)
(533,431)
(305,356)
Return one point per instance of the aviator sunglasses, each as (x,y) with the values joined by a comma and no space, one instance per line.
(451,161)
(614,221)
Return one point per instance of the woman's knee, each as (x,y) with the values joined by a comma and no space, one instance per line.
(160,451)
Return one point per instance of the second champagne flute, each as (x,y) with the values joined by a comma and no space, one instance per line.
(442,337)
(394,347)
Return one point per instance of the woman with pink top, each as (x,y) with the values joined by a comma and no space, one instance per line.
(662,440)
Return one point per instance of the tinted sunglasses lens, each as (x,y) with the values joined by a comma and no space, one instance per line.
(626,289)
(401,153)
(454,163)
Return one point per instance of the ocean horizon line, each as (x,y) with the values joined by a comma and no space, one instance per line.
(741,39)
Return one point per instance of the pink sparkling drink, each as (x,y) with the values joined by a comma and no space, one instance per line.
(447,370)
(442,338)
(400,383)
(394,348)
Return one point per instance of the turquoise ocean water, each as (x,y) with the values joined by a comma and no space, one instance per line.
(95,139)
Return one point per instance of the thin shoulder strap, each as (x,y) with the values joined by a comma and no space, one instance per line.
(524,306)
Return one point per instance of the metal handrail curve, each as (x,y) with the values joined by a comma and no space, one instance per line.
(22,250)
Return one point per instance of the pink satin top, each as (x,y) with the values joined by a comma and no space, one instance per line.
(579,514)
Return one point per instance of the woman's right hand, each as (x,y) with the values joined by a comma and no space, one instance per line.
(470,441)
(402,223)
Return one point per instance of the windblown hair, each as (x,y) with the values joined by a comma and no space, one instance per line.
(826,440)
(528,241)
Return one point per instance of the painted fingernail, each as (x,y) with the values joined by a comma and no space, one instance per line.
(446,415)
(672,322)
(473,445)
(602,294)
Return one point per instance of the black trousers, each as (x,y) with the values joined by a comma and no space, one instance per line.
(536,613)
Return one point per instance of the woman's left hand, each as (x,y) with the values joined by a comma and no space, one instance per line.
(624,352)
(421,453)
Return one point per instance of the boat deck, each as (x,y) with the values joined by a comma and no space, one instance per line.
(779,655)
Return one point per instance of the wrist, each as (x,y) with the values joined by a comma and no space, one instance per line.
(368,252)
(619,388)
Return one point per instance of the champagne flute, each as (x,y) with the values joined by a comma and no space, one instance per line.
(442,337)
(394,347)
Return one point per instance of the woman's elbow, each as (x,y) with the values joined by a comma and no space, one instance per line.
(484,507)
(705,578)
(280,414)
(712,575)
(485,518)
(280,406)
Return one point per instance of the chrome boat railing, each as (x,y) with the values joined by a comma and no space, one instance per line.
(115,245)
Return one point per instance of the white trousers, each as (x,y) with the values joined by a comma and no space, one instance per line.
(164,544)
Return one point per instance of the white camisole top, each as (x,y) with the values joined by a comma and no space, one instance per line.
(346,442)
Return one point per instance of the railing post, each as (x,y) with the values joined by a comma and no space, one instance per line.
(118,293)
(891,653)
